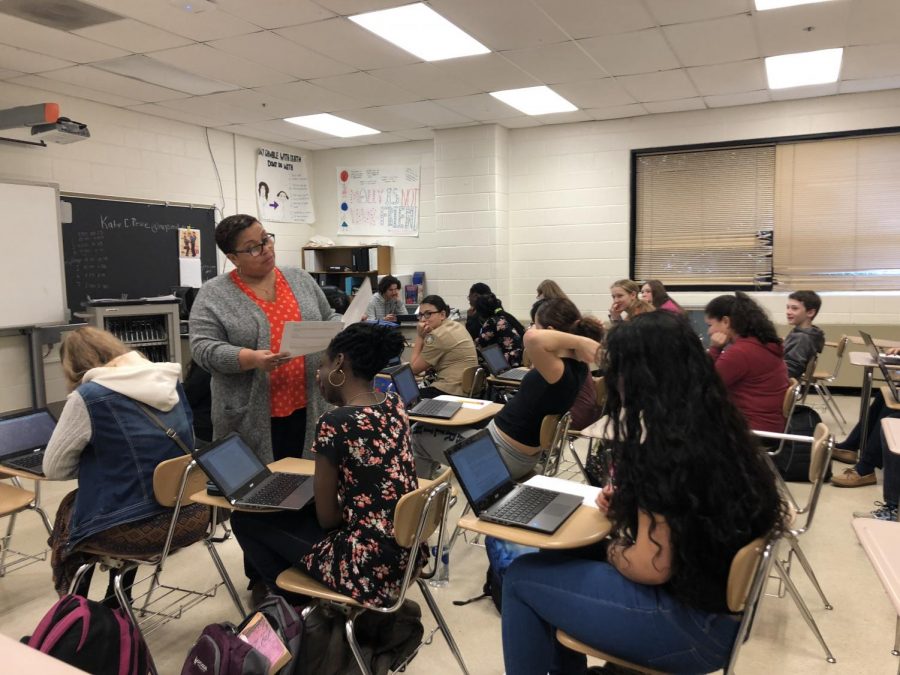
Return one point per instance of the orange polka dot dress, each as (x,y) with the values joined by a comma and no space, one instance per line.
(287,384)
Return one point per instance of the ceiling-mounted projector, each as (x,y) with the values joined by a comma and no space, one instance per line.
(61,131)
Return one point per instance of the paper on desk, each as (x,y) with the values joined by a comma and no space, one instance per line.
(587,492)
(360,302)
(471,403)
(308,337)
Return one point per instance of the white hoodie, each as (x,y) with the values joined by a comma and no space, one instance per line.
(131,375)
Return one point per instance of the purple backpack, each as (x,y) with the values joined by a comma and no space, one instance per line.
(92,637)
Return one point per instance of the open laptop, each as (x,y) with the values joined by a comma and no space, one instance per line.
(494,496)
(408,390)
(890,375)
(877,352)
(407,318)
(245,481)
(23,439)
(499,367)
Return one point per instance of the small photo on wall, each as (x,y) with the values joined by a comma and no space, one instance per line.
(188,242)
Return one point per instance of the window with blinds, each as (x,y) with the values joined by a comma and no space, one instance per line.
(705,218)
(837,215)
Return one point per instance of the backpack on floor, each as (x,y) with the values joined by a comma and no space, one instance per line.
(793,460)
(500,555)
(285,622)
(91,636)
(219,651)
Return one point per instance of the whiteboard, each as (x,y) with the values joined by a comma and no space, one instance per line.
(31,267)
(378,200)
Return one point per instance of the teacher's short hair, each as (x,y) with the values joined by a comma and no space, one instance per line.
(228,230)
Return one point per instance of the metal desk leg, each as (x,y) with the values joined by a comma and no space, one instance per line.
(865,400)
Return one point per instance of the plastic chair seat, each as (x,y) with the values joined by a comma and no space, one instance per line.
(14,499)
(295,581)
(568,641)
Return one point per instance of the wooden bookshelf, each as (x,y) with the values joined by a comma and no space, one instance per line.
(355,262)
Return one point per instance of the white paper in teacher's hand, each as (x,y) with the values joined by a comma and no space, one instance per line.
(360,303)
(308,337)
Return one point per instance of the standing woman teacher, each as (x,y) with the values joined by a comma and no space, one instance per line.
(236,326)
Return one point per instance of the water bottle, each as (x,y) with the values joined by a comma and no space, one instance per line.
(442,574)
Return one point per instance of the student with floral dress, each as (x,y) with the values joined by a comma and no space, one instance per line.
(364,465)
(499,327)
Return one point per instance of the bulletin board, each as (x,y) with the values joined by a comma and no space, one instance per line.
(378,201)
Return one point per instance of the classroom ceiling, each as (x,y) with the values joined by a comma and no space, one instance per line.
(271,59)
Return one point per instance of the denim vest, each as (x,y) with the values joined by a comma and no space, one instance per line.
(115,473)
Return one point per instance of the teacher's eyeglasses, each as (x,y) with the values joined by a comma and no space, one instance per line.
(255,251)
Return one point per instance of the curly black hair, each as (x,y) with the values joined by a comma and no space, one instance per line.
(489,305)
(368,347)
(747,318)
(697,466)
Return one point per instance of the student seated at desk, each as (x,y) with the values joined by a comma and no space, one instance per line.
(656,595)
(443,349)
(562,343)
(363,467)
(500,328)
(386,304)
(106,439)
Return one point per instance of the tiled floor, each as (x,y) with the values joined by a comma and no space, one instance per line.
(860,629)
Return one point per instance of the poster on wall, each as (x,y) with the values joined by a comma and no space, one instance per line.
(380,201)
(282,186)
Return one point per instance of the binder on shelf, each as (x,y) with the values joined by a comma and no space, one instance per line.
(373,258)
(309,260)
(360,257)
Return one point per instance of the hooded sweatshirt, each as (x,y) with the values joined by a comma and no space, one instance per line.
(800,346)
(756,379)
(154,384)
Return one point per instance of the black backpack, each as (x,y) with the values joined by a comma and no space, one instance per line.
(793,460)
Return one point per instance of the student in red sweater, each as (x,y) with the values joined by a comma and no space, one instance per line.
(749,358)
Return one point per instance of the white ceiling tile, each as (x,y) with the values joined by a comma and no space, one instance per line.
(668,12)
(587,18)
(564,117)
(253,132)
(366,88)
(201,26)
(344,41)
(59,44)
(562,62)
(380,139)
(282,128)
(853,86)
(785,31)
(729,78)
(594,93)
(426,79)
(617,112)
(38,82)
(111,83)
(422,134)
(212,105)
(216,64)
(671,84)
(679,105)
(351,7)
(714,41)
(501,24)
(179,115)
(427,113)
(308,98)
(523,122)
(479,107)
(6,74)
(25,61)
(281,54)
(133,36)
(379,118)
(643,51)
(744,98)
(274,13)
(871,61)
(488,72)
(803,92)
(874,21)
(262,105)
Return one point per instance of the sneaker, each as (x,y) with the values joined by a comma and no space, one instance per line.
(845,456)
(851,479)
(881,512)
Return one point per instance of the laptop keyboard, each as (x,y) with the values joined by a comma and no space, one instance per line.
(431,407)
(29,462)
(276,489)
(515,374)
(528,502)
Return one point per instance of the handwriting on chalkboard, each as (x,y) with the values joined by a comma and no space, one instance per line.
(107,223)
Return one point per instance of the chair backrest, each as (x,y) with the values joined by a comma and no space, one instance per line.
(548,431)
(740,575)
(473,380)
(808,377)
(790,400)
(167,479)
(413,505)
(839,356)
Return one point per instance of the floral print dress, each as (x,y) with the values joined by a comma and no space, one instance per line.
(499,330)
(371,449)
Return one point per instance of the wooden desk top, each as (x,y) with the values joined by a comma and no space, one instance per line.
(503,382)
(19,658)
(889,400)
(862,359)
(584,527)
(464,417)
(8,471)
(891,428)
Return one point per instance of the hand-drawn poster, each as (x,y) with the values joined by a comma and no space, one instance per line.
(381,200)
(282,186)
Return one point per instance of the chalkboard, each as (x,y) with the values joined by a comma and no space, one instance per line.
(113,248)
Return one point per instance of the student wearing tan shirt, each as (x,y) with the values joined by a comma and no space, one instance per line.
(442,347)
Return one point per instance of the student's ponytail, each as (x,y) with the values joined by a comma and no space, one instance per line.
(589,327)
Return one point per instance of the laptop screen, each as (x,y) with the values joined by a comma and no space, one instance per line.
(25,432)
(479,467)
(495,360)
(405,383)
(230,464)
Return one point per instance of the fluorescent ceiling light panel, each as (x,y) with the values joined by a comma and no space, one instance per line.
(421,31)
(762,5)
(803,69)
(534,100)
(145,69)
(331,124)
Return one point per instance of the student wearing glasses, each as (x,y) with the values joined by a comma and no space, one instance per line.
(236,326)
(443,349)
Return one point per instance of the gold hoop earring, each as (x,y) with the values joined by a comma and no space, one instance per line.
(335,384)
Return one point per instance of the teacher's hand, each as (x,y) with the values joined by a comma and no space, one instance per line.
(267,360)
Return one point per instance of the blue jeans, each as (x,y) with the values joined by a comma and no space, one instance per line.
(595,604)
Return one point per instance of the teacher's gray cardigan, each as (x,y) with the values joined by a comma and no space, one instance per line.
(223,321)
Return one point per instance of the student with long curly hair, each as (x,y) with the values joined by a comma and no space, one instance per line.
(691,489)
(749,358)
